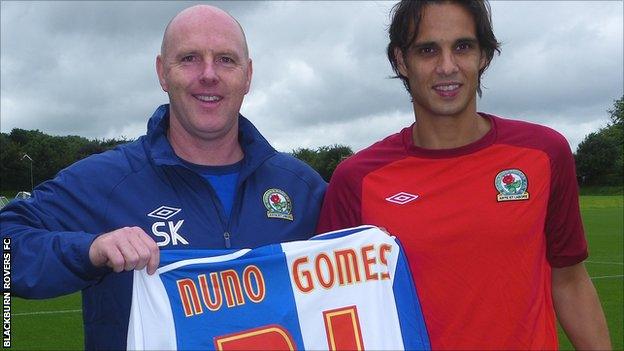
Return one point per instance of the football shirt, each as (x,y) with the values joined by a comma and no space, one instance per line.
(348,289)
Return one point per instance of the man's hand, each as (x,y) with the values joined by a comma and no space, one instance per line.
(125,249)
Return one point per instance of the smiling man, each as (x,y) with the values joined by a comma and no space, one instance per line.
(202,178)
(486,207)
(205,68)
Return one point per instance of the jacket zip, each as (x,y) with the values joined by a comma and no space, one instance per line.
(226,236)
(225,222)
(238,194)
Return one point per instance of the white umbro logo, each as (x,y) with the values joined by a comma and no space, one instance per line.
(164,212)
(402,198)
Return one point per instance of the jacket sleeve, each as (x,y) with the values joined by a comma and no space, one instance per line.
(49,254)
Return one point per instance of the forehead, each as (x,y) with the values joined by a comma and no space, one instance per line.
(198,33)
(445,22)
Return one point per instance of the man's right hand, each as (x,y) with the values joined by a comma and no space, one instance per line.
(126,248)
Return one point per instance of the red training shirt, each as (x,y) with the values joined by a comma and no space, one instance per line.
(481,226)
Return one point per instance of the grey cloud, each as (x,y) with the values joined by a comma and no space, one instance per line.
(84,68)
(324,73)
(320,71)
(556,58)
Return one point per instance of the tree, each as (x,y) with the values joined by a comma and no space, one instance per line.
(324,159)
(13,171)
(50,154)
(594,159)
(617,114)
(599,157)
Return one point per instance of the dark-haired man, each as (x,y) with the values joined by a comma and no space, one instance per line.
(486,207)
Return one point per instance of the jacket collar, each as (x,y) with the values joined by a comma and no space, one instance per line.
(255,147)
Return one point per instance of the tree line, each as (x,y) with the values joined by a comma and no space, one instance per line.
(598,157)
(47,155)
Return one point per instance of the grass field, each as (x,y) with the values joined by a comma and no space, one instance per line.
(57,324)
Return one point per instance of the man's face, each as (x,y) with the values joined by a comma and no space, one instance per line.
(443,63)
(206,72)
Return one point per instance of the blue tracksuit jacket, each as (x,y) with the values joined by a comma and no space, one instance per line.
(145,184)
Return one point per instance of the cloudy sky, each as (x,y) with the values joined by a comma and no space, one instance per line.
(320,72)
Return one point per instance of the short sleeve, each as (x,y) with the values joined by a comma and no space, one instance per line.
(342,203)
(565,236)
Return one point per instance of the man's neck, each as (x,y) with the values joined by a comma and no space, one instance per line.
(224,150)
(448,132)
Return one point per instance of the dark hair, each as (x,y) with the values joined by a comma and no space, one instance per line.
(409,12)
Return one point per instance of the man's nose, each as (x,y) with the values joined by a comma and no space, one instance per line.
(447,64)
(209,74)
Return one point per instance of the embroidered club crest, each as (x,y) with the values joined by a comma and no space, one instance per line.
(511,185)
(278,204)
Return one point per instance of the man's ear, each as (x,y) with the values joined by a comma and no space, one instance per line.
(160,70)
(249,75)
(483,60)
(398,56)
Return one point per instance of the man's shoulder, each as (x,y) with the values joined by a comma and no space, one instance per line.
(383,152)
(285,163)
(109,165)
(515,125)
(529,134)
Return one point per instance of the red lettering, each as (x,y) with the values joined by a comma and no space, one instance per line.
(319,271)
(189,296)
(383,250)
(307,276)
(215,304)
(368,262)
(348,271)
(256,295)
(232,288)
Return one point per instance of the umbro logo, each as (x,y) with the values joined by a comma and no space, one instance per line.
(168,231)
(164,212)
(402,198)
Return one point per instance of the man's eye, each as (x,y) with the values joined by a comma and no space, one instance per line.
(188,58)
(226,59)
(426,51)
(464,47)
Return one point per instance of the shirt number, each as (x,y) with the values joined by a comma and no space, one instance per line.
(342,329)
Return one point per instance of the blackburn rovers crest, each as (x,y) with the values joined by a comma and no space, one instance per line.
(278,204)
(511,185)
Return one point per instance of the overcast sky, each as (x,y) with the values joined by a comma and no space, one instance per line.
(320,71)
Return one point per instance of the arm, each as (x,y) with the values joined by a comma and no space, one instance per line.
(55,246)
(574,296)
(47,259)
(578,308)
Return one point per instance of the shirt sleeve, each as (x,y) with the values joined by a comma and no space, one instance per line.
(342,204)
(565,236)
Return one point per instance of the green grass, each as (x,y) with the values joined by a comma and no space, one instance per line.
(602,190)
(602,216)
(603,220)
(8,193)
(34,328)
